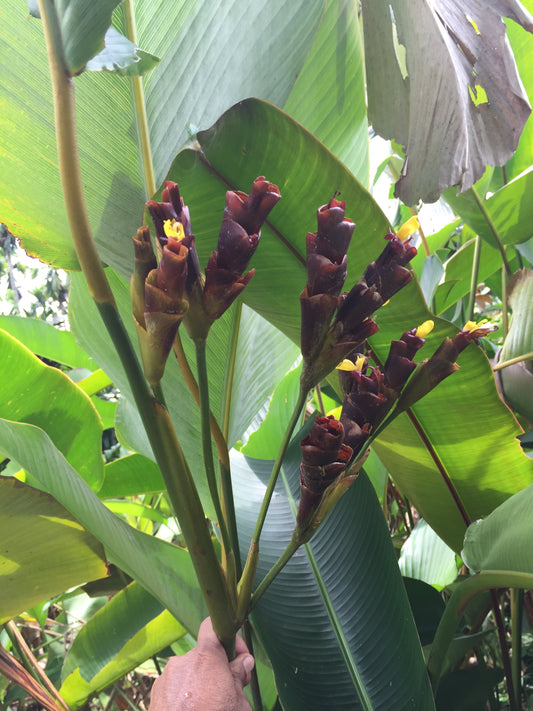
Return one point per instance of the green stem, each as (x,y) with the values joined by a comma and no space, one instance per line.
(513,361)
(140,107)
(68,159)
(230,368)
(493,229)
(463,593)
(168,453)
(245,584)
(506,661)
(203,387)
(277,465)
(319,400)
(474,279)
(254,682)
(505,309)
(517,608)
(228,503)
(179,483)
(188,376)
(158,394)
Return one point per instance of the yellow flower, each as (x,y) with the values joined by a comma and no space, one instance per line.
(347,364)
(174,229)
(408,228)
(473,325)
(425,328)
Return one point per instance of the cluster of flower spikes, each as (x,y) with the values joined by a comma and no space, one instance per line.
(175,290)
(334,324)
(369,395)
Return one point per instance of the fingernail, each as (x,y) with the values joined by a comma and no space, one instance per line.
(248,664)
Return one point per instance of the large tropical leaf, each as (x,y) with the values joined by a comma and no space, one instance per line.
(165,570)
(451,94)
(45,340)
(460,440)
(212,55)
(321,621)
(494,544)
(132,627)
(44,550)
(498,213)
(33,392)
(328,97)
(426,557)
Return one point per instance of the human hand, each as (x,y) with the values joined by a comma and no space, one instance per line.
(203,679)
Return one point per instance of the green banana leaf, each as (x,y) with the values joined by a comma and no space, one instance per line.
(508,212)
(47,341)
(212,55)
(493,544)
(33,392)
(460,438)
(44,550)
(132,627)
(321,621)
(521,46)
(426,557)
(163,569)
(254,138)
(129,476)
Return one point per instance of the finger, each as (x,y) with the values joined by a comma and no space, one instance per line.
(241,668)
(207,638)
(240,646)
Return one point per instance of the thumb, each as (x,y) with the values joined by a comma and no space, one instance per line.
(241,668)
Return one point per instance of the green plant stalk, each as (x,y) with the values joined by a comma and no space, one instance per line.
(506,661)
(302,396)
(474,278)
(253,552)
(68,158)
(230,367)
(140,107)
(179,483)
(487,580)
(168,453)
(228,504)
(203,387)
(254,681)
(513,361)
(190,381)
(517,609)
(505,309)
